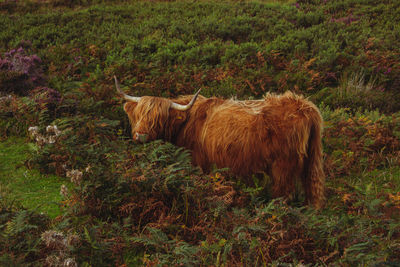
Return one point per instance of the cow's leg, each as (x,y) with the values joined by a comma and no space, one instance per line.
(284,174)
(306,186)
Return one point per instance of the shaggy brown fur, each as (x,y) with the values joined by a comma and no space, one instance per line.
(279,135)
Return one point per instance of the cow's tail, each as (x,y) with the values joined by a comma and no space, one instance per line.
(314,177)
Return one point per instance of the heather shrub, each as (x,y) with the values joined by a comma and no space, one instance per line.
(19,72)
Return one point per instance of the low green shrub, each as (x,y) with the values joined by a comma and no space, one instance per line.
(359,142)
(162,47)
(20,230)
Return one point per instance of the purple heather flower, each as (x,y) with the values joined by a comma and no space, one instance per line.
(389,70)
(35,58)
(4,64)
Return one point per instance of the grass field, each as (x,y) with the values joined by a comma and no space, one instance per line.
(27,187)
(135,205)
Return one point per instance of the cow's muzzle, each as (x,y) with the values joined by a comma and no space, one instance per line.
(141,137)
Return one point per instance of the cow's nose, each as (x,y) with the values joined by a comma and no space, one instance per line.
(141,137)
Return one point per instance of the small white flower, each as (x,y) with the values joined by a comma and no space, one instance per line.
(40,140)
(33,129)
(64,191)
(54,239)
(52,139)
(75,175)
(70,262)
(53,260)
(88,168)
(5,98)
(53,129)
(56,131)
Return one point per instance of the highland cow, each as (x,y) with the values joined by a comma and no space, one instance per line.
(279,135)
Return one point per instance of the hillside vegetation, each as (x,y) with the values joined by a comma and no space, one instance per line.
(126,204)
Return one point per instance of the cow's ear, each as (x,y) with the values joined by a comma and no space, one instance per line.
(177,115)
(129,107)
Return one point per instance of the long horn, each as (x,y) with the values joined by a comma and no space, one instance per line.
(127,97)
(185,107)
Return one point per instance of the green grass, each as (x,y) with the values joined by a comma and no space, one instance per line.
(29,188)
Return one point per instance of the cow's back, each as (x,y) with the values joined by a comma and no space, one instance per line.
(246,136)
